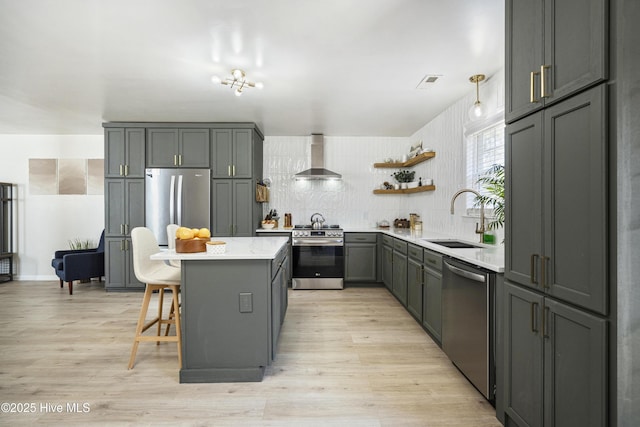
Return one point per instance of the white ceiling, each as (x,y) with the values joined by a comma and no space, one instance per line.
(338,67)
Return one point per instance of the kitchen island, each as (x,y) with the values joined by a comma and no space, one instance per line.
(232,307)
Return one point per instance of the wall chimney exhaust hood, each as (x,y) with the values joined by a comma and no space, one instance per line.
(317,170)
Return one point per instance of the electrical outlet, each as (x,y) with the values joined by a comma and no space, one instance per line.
(246,302)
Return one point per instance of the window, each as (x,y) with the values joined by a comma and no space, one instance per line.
(484,149)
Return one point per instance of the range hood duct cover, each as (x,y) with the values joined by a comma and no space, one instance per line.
(317,170)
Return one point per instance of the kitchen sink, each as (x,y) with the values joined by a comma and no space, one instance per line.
(455,244)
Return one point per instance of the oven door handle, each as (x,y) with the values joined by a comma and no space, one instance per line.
(317,242)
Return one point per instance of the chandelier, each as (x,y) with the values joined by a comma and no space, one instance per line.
(237,81)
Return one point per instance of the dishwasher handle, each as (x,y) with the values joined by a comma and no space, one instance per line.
(466,274)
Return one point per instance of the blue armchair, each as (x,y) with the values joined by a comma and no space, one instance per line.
(79,264)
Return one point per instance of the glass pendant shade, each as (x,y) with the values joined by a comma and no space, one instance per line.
(477,111)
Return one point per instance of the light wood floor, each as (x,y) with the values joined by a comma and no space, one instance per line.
(346,358)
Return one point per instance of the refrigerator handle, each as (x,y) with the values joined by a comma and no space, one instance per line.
(179,200)
(172,198)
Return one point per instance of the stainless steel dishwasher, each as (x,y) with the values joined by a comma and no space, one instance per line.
(468,294)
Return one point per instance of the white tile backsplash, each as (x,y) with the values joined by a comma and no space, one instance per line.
(351,202)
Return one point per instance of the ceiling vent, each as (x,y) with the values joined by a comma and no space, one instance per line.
(428,80)
(317,170)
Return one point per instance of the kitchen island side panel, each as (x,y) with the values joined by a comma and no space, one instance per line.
(224,340)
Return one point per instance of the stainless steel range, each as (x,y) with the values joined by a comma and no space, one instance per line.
(318,256)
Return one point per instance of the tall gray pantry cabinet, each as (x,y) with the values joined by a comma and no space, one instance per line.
(131,147)
(124,202)
(557,264)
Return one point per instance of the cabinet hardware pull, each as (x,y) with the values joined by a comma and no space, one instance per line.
(532,87)
(532,271)
(543,271)
(121,245)
(126,245)
(545,322)
(126,229)
(229,170)
(234,170)
(121,228)
(126,170)
(534,323)
(179,159)
(543,92)
(121,174)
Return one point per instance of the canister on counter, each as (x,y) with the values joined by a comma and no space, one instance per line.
(287,220)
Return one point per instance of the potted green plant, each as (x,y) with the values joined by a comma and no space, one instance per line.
(404,176)
(492,182)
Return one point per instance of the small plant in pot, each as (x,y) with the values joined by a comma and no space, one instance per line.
(404,176)
(493,184)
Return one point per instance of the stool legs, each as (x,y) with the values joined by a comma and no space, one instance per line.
(141,327)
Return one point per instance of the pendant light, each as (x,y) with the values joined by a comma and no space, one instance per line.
(478,110)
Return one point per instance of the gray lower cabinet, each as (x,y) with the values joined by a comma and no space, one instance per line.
(171,147)
(124,152)
(361,254)
(124,210)
(118,258)
(555,362)
(556,201)
(234,209)
(279,296)
(400,270)
(553,50)
(432,294)
(414,282)
(387,265)
(289,250)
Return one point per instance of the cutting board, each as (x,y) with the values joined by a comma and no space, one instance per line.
(191,245)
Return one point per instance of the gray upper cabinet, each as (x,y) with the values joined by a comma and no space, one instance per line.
(233,209)
(124,152)
(554,48)
(232,153)
(556,192)
(170,147)
(555,371)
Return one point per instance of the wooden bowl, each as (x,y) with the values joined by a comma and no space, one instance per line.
(189,246)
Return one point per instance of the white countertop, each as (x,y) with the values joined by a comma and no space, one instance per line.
(237,248)
(490,257)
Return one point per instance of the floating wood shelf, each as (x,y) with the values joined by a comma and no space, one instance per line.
(411,162)
(407,190)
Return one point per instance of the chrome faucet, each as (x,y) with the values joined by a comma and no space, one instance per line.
(481,229)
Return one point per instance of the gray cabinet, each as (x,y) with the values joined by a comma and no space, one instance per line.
(279,296)
(171,147)
(234,211)
(361,253)
(232,153)
(387,262)
(119,273)
(124,210)
(553,50)
(124,152)
(400,270)
(556,195)
(289,251)
(414,281)
(432,294)
(555,369)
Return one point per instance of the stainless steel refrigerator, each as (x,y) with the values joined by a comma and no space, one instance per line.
(176,196)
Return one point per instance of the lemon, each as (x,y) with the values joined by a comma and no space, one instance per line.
(204,233)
